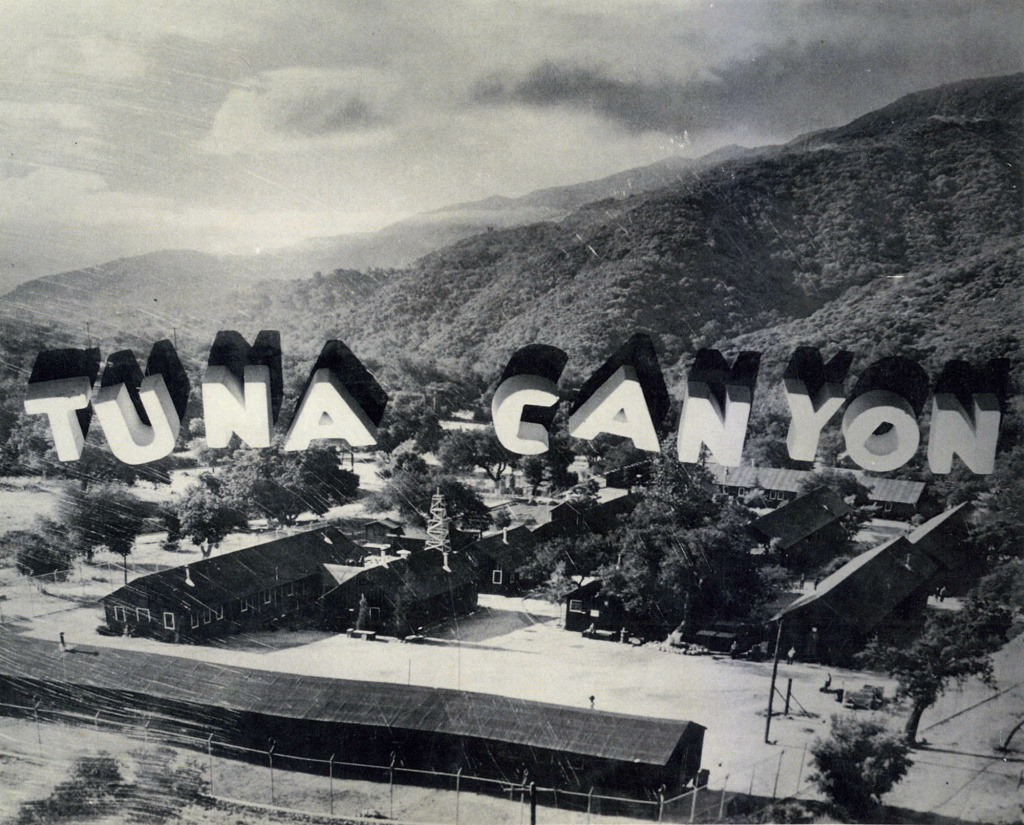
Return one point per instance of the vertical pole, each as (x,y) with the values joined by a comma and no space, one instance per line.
(270,757)
(409,682)
(590,799)
(753,770)
(661,802)
(800,773)
(693,803)
(209,752)
(458,777)
(39,733)
(789,692)
(330,767)
(391,787)
(96,720)
(721,804)
(533,803)
(778,770)
(771,690)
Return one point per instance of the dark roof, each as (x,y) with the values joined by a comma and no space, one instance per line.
(896,490)
(218,579)
(801,517)
(400,707)
(865,590)
(421,572)
(509,548)
(575,518)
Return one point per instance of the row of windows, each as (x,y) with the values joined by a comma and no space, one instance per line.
(142,614)
(269,595)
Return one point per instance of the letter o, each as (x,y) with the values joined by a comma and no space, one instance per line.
(880,452)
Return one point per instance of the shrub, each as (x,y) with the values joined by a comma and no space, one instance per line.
(860,761)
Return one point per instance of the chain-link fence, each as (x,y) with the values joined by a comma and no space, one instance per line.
(334,786)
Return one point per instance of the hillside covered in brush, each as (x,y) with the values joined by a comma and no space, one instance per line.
(882,216)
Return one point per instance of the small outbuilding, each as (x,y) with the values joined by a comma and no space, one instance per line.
(499,556)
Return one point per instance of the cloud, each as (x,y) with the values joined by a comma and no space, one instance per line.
(300,108)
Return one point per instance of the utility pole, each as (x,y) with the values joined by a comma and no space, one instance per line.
(771,691)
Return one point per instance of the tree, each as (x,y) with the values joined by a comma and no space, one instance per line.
(533,472)
(953,646)
(860,761)
(40,551)
(105,515)
(684,553)
(409,485)
(469,449)
(280,486)
(206,517)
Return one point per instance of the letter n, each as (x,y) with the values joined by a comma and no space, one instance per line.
(717,407)
(242,389)
(966,411)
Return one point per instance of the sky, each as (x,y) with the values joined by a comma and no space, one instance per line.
(235,126)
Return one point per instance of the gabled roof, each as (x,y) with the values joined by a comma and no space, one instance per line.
(219,579)
(509,548)
(895,490)
(570,730)
(801,517)
(865,590)
(574,518)
(422,573)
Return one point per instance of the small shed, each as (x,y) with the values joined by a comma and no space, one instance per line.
(499,556)
(588,606)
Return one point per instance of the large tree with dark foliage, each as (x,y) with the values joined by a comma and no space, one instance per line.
(954,646)
(684,553)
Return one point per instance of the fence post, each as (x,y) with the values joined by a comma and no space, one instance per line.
(39,733)
(533,803)
(96,720)
(789,692)
(590,799)
(270,758)
(753,770)
(458,777)
(721,805)
(209,752)
(661,801)
(800,773)
(778,770)
(330,768)
(693,802)
(391,787)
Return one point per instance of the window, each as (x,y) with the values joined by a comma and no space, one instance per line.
(119,615)
(169,621)
(290,589)
(268,595)
(252,601)
(575,606)
(220,612)
(195,620)
(243,605)
(496,576)
(207,616)
(374,614)
(888,507)
(142,613)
